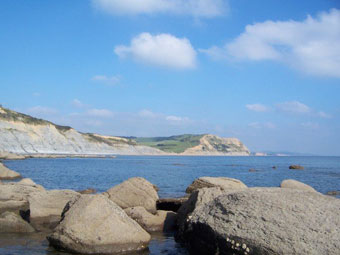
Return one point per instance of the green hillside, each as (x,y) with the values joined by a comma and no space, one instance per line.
(176,144)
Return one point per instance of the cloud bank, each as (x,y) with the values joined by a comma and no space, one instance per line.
(312,45)
(289,107)
(195,8)
(161,50)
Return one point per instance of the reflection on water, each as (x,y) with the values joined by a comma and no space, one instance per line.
(36,244)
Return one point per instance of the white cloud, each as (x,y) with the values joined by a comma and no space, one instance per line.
(312,45)
(147,114)
(100,113)
(324,115)
(77,103)
(161,50)
(177,120)
(195,8)
(174,118)
(41,110)
(113,80)
(294,107)
(257,107)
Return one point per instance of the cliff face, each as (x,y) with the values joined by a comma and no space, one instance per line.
(214,145)
(20,133)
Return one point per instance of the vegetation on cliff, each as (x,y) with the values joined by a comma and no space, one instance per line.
(174,144)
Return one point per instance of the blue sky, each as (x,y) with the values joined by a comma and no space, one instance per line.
(266,72)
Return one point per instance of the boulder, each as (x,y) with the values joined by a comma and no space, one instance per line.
(197,198)
(266,221)
(293,184)
(14,197)
(13,223)
(46,207)
(134,192)
(161,221)
(170,204)
(30,182)
(7,174)
(209,182)
(93,224)
(296,167)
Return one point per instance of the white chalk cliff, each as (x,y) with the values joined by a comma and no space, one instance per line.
(23,134)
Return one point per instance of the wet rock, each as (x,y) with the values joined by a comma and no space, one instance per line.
(7,174)
(296,167)
(13,223)
(266,221)
(252,170)
(134,192)
(93,224)
(161,221)
(209,182)
(46,207)
(170,204)
(293,184)
(87,191)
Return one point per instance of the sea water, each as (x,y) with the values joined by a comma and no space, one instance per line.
(171,174)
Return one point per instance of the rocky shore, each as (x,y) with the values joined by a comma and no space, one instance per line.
(219,215)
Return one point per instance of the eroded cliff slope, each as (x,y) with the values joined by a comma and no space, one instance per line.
(23,134)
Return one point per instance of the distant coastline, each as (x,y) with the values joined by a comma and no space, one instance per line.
(25,135)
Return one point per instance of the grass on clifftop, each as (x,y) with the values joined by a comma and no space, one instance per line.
(176,144)
(10,115)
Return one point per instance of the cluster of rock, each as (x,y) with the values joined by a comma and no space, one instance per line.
(219,216)
(118,220)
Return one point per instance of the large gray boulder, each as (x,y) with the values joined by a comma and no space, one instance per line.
(293,184)
(93,224)
(197,198)
(266,221)
(7,174)
(13,223)
(134,192)
(209,182)
(14,197)
(46,207)
(161,221)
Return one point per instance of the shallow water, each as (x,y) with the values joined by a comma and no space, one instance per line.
(36,244)
(171,174)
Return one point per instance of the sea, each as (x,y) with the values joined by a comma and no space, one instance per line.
(172,174)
